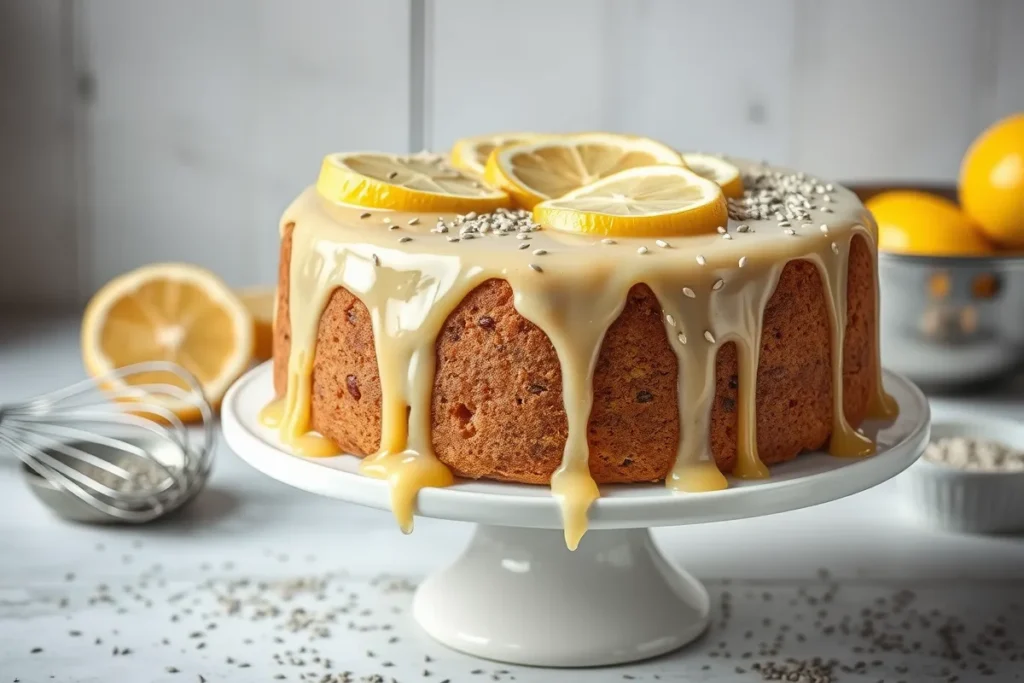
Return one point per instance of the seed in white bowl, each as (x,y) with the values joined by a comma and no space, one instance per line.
(983,455)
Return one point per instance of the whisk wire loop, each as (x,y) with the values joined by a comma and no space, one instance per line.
(117,442)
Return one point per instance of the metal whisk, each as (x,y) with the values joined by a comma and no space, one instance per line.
(113,443)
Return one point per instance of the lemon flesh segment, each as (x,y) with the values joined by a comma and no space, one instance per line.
(717,170)
(535,172)
(171,312)
(471,154)
(416,182)
(640,202)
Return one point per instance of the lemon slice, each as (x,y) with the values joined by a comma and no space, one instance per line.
(262,304)
(470,154)
(720,171)
(417,182)
(642,202)
(534,172)
(173,312)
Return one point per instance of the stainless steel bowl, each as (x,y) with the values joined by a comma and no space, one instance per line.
(952,323)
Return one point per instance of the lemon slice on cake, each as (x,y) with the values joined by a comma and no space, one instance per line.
(553,166)
(471,154)
(173,312)
(410,182)
(653,201)
(718,170)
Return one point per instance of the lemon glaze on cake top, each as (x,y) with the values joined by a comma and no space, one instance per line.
(412,270)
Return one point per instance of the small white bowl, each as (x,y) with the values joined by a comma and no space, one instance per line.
(968,501)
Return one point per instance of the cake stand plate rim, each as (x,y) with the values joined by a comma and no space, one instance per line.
(810,479)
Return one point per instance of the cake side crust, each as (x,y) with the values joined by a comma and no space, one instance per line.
(497,403)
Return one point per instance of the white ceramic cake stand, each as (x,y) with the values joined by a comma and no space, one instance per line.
(518,595)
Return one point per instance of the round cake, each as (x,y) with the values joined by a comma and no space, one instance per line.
(488,345)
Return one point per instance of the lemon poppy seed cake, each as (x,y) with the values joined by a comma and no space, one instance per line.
(573,311)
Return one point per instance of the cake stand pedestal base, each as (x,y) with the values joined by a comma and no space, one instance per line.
(520,596)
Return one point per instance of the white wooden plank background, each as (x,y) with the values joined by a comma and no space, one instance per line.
(691,75)
(143,131)
(1009,59)
(496,67)
(648,66)
(209,117)
(38,243)
(887,90)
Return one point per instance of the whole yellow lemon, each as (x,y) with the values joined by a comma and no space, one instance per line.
(992,182)
(920,223)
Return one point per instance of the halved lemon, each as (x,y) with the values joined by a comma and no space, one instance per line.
(261,303)
(470,154)
(173,312)
(553,166)
(411,182)
(718,170)
(648,201)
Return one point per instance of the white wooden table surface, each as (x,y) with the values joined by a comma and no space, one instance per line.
(213,594)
